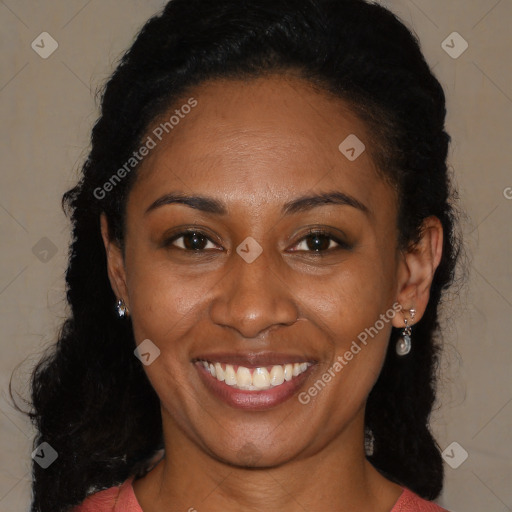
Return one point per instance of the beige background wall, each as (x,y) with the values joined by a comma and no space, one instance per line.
(47,110)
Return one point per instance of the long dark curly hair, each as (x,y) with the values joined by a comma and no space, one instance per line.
(91,400)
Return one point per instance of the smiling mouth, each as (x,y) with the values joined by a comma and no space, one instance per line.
(254,379)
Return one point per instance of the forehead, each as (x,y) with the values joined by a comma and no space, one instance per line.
(250,140)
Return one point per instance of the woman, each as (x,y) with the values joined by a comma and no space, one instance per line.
(262,234)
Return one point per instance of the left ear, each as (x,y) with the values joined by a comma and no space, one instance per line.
(417,268)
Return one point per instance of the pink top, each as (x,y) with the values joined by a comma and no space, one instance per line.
(123,499)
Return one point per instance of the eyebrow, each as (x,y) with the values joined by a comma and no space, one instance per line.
(299,205)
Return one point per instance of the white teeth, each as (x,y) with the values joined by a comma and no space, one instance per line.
(219,372)
(256,379)
(230,376)
(243,377)
(277,375)
(261,378)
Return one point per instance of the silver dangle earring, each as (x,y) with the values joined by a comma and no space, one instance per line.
(122,310)
(403,345)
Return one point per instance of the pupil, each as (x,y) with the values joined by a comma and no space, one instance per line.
(317,244)
(193,239)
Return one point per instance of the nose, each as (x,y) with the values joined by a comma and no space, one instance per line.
(253,298)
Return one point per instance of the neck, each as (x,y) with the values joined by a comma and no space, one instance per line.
(336,478)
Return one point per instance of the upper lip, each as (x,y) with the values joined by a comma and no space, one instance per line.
(253,359)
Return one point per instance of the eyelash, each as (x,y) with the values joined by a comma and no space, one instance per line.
(311,232)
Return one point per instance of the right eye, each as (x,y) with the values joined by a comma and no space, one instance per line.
(192,241)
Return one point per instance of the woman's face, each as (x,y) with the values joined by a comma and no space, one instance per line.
(253,291)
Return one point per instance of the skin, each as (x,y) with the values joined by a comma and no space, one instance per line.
(255,145)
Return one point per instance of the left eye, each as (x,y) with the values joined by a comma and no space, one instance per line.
(318,242)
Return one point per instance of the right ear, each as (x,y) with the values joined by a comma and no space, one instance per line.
(115,262)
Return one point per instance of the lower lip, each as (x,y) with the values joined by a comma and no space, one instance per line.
(252,400)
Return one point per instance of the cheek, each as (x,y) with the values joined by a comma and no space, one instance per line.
(163,303)
(355,308)
(360,324)
(353,298)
